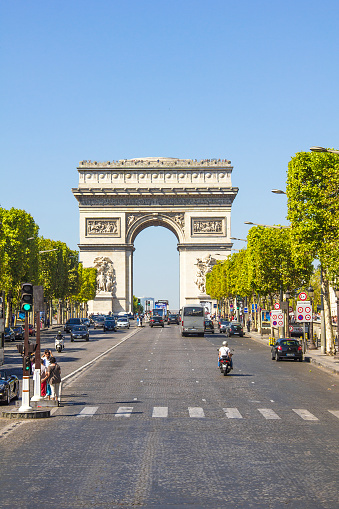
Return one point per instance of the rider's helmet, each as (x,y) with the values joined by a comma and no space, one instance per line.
(225,343)
(59,333)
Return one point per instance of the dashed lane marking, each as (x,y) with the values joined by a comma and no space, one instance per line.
(305,414)
(196,412)
(268,413)
(232,413)
(124,411)
(160,411)
(88,411)
(335,413)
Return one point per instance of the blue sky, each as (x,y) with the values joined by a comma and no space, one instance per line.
(250,81)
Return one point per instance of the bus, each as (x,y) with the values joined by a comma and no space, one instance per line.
(193,320)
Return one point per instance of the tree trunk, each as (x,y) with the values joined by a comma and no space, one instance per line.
(330,346)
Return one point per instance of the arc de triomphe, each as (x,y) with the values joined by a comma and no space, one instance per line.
(117,200)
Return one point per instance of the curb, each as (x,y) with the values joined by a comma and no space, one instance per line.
(35,414)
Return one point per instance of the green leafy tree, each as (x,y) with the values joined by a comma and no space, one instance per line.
(313,209)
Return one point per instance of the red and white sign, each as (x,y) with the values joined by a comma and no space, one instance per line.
(277,318)
(277,305)
(302,296)
(304,312)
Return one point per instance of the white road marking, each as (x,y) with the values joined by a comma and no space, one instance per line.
(196,412)
(268,413)
(124,411)
(88,411)
(335,413)
(305,414)
(232,413)
(160,411)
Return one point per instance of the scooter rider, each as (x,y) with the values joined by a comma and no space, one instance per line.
(225,351)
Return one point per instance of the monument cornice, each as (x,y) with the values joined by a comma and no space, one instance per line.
(154,162)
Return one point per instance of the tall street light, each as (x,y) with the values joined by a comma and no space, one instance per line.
(278,227)
(322,149)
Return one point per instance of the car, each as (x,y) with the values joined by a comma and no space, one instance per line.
(297,329)
(209,326)
(31,330)
(122,322)
(86,321)
(79,332)
(9,334)
(173,319)
(235,329)
(287,348)
(99,321)
(72,322)
(19,332)
(224,325)
(156,321)
(109,324)
(9,387)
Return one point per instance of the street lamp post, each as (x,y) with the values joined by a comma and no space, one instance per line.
(310,291)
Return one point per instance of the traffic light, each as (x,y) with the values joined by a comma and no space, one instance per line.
(27,297)
(27,363)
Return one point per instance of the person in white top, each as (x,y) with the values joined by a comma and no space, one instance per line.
(225,351)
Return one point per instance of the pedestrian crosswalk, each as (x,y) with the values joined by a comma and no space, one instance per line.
(201,413)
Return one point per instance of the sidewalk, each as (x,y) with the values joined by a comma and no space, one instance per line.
(327,362)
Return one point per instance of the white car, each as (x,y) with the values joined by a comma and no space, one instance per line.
(122,323)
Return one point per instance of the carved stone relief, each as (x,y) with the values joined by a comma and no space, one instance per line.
(105,274)
(110,227)
(208,226)
(179,218)
(204,265)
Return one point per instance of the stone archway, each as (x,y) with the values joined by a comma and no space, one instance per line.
(117,200)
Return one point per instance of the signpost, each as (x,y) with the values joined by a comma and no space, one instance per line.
(304,314)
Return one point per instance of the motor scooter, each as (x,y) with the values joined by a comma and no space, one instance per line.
(59,343)
(225,364)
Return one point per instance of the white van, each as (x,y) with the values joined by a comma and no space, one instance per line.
(193,320)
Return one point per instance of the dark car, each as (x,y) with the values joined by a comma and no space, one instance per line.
(86,321)
(79,332)
(156,321)
(9,387)
(9,334)
(224,325)
(71,323)
(209,326)
(287,348)
(235,329)
(19,332)
(109,324)
(99,321)
(173,319)
(297,329)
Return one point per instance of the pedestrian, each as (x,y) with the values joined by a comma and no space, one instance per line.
(54,378)
(43,378)
(46,359)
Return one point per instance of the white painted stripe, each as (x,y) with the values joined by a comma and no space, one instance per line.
(232,413)
(305,414)
(88,411)
(335,413)
(160,411)
(268,413)
(196,412)
(124,411)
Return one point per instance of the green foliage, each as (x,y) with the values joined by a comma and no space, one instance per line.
(87,281)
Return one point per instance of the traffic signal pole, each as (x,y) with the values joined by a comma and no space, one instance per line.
(37,373)
(25,406)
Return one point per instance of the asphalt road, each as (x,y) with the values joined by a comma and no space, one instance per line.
(155,424)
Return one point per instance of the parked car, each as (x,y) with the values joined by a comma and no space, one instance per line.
(235,329)
(156,321)
(9,387)
(86,321)
(19,332)
(122,323)
(99,321)
(79,332)
(287,348)
(9,334)
(209,326)
(297,329)
(109,324)
(72,322)
(224,325)
(173,319)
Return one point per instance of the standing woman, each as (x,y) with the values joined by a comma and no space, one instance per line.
(54,378)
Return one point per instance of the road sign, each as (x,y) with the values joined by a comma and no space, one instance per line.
(304,312)
(245,310)
(277,305)
(231,306)
(302,296)
(277,318)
